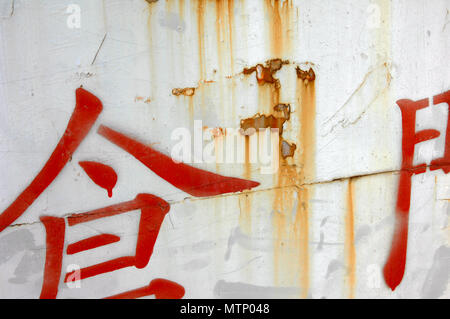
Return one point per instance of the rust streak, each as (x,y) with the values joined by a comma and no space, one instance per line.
(302,229)
(200,32)
(350,240)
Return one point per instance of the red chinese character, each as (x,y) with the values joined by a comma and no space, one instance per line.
(87,109)
(395,266)
(153,209)
(192,180)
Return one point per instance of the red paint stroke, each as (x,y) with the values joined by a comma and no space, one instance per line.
(55,230)
(394,268)
(161,288)
(141,201)
(86,111)
(194,181)
(91,243)
(444,162)
(153,210)
(101,174)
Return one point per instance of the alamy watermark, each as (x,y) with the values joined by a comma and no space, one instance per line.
(227,145)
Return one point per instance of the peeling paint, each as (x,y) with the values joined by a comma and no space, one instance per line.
(183,91)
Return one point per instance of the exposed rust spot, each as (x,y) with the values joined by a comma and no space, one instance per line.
(307,76)
(262,121)
(217,131)
(287,149)
(265,72)
(142,99)
(183,91)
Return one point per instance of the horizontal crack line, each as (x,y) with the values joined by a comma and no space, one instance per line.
(250,192)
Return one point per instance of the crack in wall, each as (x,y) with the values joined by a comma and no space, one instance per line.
(268,189)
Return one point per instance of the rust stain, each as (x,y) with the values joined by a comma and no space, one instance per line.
(230,32)
(220,17)
(265,72)
(181,8)
(268,95)
(245,216)
(287,149)
(190,91)
(142,99)
(302,235)
(350,240)
(306,99)
(259,121)
(280,26)
(191,108)
(306,103)
(201,35)
(306,76)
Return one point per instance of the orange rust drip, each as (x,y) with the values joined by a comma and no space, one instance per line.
(247,172)
(191,109)
(307,102)
(279,26)
(274,27)
(181,8)
(201,35)
(230,32)
(350,240)
(220,34)
(224,29)
(302,229)
(291,235)
(296,254)
(245,218)
(277,30)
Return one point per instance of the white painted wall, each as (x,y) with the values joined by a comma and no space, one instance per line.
(366,55)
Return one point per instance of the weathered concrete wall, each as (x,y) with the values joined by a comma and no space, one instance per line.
(327,74)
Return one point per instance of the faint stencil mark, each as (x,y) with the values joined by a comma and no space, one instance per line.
(6,9)
(247,242)
(22,241)
(362,232)
(172,21)
(322,235)
(437,278)
(320,245)
(203,246)
(196,264)
(333,266)
(238,290)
